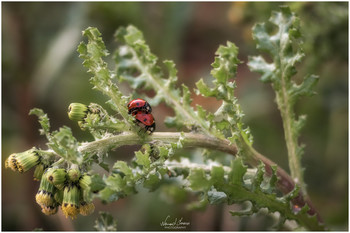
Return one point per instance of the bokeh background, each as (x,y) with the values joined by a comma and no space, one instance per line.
(41,68)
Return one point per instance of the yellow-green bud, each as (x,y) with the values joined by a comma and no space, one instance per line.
(38,172)
(24,161)
(85,182)
(70,204)
(45,195)
(74,175)
(86,208)
(77,111)
(57,177)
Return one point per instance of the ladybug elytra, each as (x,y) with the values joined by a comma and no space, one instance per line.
(137,105)
(145,120)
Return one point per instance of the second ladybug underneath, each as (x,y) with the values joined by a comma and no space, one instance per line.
(146,121)
(141,110)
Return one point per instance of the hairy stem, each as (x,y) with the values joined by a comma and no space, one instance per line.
(291,139)
(285,183)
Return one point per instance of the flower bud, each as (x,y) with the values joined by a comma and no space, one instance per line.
(57,177)
(38,172)
(74,175)
(45,195)
(24,161)
(49,210)
(70,204)
(77,111)
(86,208)
(85,182)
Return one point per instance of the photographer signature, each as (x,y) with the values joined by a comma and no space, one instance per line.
(176,224)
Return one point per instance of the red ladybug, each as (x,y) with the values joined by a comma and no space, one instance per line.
(137,105)
(145,120)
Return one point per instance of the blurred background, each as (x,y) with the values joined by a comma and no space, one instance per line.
(41,68)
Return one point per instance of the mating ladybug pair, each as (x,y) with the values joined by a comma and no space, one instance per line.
(141,110)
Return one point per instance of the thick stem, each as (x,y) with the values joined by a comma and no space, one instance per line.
(285,183)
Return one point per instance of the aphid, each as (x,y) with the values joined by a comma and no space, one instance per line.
(145,120)
(137,105)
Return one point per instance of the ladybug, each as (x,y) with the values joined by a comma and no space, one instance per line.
(145,120)
(137,105)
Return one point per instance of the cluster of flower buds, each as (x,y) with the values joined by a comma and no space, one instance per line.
(58,187)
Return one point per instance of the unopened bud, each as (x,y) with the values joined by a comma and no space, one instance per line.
(74,175)
(45,195)
(24,161)
(85,182)
(57,177)
(70,204)
(77,111)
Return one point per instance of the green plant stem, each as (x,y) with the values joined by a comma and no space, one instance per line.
(291,139)
(285,183)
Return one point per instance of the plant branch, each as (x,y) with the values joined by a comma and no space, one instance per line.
(291,136)
(285,183)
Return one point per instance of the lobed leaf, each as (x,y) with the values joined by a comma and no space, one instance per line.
(198,180)
(284,47)
(43,120)
(93,53)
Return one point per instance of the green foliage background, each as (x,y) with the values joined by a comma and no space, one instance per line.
(41,68)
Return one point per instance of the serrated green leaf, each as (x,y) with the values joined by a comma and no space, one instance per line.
(198,180)
(108,195)
(305,88)
(123,167)
(65,145)
(163,151)
(142,159)
(258,64)
(203,89)
(237,172)
(273,178)
(97,183)
(258,178)
(151,182)
(93,53)
(225,64)
(124,186)
(284,46)
(217,176)
(263,39)
(43,120)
